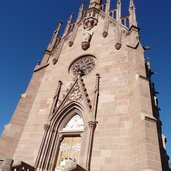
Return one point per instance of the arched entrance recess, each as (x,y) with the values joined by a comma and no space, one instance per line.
(67,132)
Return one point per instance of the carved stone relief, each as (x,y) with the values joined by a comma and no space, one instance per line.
(76,123)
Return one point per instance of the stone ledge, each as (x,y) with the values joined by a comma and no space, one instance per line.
(141,77)
(148,117)
(39,67)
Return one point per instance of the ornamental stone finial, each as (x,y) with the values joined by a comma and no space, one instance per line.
(132,14)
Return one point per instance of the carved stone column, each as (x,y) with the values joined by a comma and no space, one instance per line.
(92,126)
(44,143)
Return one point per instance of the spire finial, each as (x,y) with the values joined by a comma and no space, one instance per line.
(118,1)
(68,25)
(54,37)
(107,5)
(132,14)
(58,28)
(118,10)
(70,18)
(80,11)
(131,4)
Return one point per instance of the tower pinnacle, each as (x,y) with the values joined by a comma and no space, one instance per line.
(118,29)
(132,14)
(107,6)
(58,29)
(118,10)
(80,12)
(68,25)
(55,36)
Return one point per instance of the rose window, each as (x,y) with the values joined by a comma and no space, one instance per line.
(83,66)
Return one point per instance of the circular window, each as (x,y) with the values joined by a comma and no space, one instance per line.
(83,65)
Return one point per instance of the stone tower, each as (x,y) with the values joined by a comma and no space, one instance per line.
(90,105)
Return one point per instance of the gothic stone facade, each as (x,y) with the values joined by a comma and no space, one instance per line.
(90,104)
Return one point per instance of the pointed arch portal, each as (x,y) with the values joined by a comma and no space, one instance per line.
(70,127)
(70,146)
(64,137)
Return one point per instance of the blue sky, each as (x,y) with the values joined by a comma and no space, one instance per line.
(26,29)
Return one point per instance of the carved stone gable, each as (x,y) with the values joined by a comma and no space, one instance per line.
(76,92)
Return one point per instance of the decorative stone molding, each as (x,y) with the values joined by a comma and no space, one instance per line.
(46,127)
(92,124)
(118,46)
(90,22)
(77,92)
(91,16)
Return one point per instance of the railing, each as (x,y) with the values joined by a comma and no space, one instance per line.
(21,166)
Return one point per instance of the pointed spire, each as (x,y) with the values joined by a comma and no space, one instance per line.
(118,10)
(107,6)
(80,12)
(132,14)
(68,25)
(55,37)
(56,32)
(131,4)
